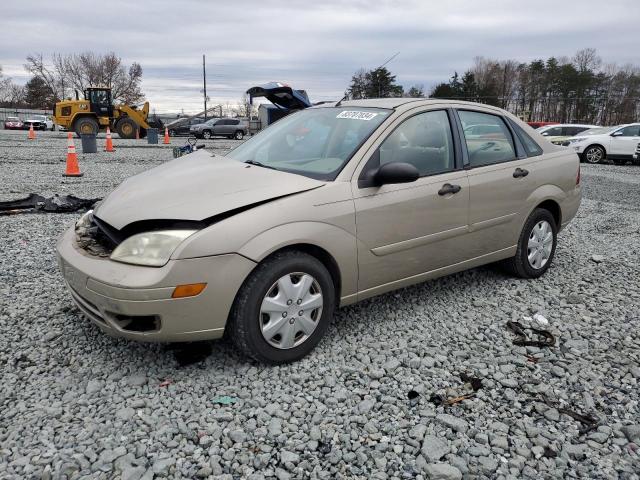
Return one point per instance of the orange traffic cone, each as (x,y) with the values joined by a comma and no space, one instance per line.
(166,136)
(72,159)
(32,134)
(108,146)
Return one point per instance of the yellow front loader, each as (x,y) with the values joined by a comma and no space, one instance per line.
(97,112)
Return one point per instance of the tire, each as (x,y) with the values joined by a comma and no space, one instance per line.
(126,128)
(86,125)
(520,265)
(206,134)
(239,135)
(594,154)
(247,321)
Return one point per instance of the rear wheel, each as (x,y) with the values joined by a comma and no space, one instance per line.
(239,135)
(126,128)
(283,309)
(86,126)
(536,246)
(594,154)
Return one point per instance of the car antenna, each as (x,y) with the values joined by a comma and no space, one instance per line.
(346,97)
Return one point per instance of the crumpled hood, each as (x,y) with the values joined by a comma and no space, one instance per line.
(196,187)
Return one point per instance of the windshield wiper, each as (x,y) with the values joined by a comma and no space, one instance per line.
(258,164)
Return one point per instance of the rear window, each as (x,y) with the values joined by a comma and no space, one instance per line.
(495,146)
(530,145)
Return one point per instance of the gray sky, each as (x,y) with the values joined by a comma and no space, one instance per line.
(312,45)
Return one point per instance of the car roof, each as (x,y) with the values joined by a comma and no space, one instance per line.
(395,103)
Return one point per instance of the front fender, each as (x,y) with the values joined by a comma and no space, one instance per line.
(338,243)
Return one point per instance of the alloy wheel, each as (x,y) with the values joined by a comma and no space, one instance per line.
(540,244)
(594,155)
(291,310)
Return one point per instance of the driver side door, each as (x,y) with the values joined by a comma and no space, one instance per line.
(408,229)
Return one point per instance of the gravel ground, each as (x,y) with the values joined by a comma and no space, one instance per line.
(75,403)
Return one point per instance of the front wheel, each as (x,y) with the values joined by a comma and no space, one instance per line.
(536,246)
(126,128)
(206,135)
(239,135)
(283,309)
(594,154)
(86,126)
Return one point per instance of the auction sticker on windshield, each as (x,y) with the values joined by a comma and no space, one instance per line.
(355,115)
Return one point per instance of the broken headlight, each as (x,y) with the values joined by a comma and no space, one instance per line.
(151,249)
(85,220)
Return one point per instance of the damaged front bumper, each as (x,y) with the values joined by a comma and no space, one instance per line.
(136,302)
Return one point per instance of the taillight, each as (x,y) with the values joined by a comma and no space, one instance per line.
(578,176)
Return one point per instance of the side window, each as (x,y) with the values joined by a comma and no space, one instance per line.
(530,145)
(553,132)
(424,141)
(631,131)
(487,149)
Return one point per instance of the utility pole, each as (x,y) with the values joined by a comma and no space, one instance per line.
(204,81)
(378,73)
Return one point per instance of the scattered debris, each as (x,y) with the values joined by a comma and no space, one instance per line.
(414,397)
(324,447)
(546,338)
(165,383)
(589,423)
(224,400)
(540,320)
(597,258)
(190,147)
(37,203)
(452,396)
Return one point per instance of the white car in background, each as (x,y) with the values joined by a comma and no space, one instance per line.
(617,143)
(40,122)
(557,134)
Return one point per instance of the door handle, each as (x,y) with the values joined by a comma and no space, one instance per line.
(520,172)
(448,188)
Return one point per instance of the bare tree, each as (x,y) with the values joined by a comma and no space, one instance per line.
(5,86)
(87,69)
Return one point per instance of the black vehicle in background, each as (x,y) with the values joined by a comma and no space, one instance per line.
(183,128)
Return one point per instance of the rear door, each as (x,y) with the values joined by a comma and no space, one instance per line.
(624,141)
(501,178)
(411,228)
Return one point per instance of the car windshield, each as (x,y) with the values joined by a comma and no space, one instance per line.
(13,119)
(316,142)
(40,118)
(598,131)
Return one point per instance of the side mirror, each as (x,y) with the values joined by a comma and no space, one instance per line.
(545,134)
(390,173)
(617,134)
